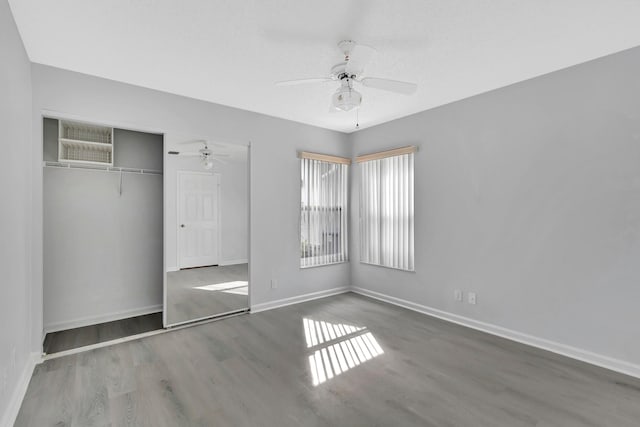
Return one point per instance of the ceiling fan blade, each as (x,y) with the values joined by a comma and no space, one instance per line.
(359,57)
(194,141)
(303,81)
(405,88)
(219,145)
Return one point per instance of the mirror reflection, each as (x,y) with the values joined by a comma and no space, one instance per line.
(206,216)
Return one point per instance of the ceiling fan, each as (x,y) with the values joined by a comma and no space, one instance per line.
(350,71)
(207,156)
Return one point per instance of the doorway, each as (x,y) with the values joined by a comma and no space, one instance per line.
(199,219)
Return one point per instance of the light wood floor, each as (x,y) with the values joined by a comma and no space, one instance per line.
(79,337)
(193,293)
(254,370)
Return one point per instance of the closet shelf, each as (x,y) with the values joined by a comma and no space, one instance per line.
(85,143)
(98,167)
(79,143)
(83,162)
(85,132)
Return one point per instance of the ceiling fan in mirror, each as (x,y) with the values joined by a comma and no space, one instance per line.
(206,154)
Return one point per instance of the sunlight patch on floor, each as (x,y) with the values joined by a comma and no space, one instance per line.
(337,347)
(237,287)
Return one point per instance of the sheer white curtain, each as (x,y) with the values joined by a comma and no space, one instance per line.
(386,212)
(323,213)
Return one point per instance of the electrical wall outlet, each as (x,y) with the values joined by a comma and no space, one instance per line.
(457,294)
(274,284)
(471,297)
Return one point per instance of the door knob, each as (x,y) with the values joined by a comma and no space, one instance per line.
(181,225)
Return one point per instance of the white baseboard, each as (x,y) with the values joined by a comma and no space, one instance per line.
(552,346)
(256,308)
(15,401)
(93,320)
(233,262)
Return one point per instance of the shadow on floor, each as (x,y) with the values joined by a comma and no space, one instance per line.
(55,342)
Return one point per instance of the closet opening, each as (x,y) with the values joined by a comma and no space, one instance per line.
(103,233)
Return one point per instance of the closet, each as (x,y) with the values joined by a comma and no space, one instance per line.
(103,234)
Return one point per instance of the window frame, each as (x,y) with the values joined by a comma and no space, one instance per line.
(337,194)
(387,229)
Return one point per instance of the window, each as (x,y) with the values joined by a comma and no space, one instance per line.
(323,210)
(386,208)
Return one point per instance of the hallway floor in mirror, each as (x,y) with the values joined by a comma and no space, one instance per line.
(196,293)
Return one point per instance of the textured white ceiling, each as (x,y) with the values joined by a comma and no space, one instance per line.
(232,51)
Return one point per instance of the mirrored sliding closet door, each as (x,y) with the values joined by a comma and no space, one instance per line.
(206,222)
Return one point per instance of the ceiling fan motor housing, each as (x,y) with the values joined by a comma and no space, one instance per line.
(346,46)
(338,72)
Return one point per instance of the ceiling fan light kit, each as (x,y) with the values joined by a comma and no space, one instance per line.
(207,162)
(346,98)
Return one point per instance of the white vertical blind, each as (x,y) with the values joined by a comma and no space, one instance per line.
(323,213)
(386,212)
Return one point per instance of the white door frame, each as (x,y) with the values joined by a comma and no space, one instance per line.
(180,173)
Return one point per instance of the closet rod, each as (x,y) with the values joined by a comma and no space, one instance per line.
(102,168)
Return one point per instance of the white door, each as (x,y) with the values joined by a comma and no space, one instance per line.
(198,219)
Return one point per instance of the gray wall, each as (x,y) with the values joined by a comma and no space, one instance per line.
(234,197)
(50,140)
(139,150)
(274,246)
(102,249)
(530,196)
(15,211)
